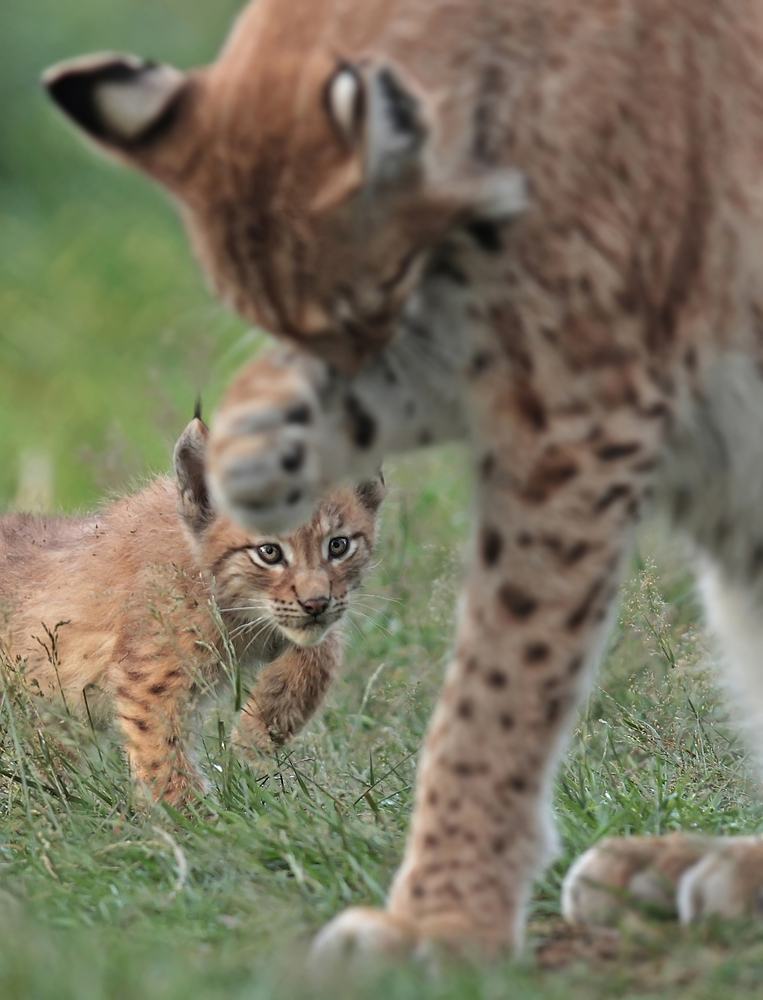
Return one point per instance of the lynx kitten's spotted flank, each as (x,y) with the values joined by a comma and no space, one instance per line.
(536,225)
(128,595)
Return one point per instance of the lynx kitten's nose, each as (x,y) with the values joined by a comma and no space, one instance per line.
(315,605)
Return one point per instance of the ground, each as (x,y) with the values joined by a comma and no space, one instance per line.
(107,335)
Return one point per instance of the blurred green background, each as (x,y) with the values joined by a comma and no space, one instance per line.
(107,332)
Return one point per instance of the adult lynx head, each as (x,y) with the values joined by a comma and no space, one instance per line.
(314,176)
(299,583)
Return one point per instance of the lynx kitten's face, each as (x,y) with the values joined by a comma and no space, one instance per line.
(298,584)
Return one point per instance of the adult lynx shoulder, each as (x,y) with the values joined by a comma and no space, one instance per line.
(132,612)
(535,224)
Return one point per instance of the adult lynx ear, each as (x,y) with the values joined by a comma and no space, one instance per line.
(118,100)
(377,113)
(383,116)
(194,502)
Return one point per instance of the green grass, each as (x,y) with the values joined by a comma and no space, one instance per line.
(107,333)
(122,902)
(106,336)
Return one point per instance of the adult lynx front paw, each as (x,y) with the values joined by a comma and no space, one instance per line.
(265,461)
(362,937)
(688,877)
(726,883)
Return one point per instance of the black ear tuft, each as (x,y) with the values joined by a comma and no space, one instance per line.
(119,100)
(371,492)
(400,106)
(197,410)
(396,127)
(194,502)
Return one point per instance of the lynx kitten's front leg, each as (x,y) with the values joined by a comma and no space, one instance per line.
(152,709)
(287,694)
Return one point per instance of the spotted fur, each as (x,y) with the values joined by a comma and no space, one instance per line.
(535,225)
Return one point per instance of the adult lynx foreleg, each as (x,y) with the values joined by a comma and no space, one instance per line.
(557,496)
(290,426)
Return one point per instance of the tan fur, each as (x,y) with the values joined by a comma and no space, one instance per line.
(600,347)
(129,612)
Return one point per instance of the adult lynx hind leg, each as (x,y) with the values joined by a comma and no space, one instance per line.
(560,478)
(712,485)
(680,875)
(688,876)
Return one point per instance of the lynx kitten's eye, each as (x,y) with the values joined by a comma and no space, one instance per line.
(269,553)
(338,547)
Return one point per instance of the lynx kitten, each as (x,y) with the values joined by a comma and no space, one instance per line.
(118,612)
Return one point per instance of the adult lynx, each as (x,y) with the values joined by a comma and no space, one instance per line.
(536,223)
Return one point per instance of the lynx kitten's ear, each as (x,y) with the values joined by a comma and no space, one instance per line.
(372,492)
(118,100)
(194,503)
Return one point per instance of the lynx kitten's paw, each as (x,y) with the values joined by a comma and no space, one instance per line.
(180,789)
(264,460)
